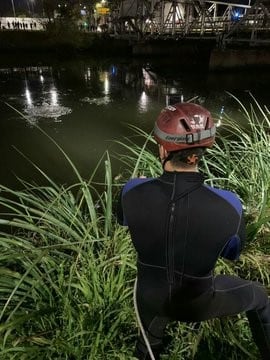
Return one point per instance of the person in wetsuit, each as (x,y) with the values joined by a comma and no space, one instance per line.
(180,227)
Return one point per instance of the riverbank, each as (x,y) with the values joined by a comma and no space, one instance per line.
(187,52)
(62,42)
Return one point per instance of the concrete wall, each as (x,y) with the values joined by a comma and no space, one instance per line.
(239,58)
(187,53)
(203,53)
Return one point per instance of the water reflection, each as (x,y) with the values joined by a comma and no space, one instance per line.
(48,89)
(86,104)
(149,78)
(54,97)
(104,100)
(106,81)
(28,97)
(143,102)
(87,74)
(45,106)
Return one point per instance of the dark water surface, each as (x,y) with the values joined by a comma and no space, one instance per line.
(85,104)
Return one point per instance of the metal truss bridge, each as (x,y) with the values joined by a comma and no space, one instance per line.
(226,22)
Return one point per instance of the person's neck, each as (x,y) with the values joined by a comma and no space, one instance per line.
(189,168)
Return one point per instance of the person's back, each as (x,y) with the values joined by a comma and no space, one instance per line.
(179,228)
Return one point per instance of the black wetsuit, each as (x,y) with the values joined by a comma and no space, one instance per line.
(179,228)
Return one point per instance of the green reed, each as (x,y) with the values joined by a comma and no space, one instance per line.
(66,271)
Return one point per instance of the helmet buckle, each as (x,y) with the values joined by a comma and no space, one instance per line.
(189,139)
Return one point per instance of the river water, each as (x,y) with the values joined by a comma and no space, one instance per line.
(86,104)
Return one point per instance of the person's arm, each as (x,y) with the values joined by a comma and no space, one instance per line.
(236,243)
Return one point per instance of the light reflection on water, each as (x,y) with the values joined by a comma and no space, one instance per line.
(143,102)
(44,103)
(86,105)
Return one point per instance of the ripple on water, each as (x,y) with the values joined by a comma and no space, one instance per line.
(104,100)
(47,111)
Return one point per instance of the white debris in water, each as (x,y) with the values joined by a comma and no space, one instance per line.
(47,111)
(97,101)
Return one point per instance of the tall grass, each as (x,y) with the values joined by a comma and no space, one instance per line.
(65,274)
(240,161)
(66,271)
(67,268)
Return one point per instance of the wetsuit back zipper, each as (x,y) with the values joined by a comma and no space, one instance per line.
(170,245)
(170,233)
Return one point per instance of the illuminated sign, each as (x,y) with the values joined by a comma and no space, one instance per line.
(103,10)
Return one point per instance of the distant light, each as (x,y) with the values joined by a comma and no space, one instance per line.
(236,15)
(41,77)
(173,91)
(147,78)
(114,70)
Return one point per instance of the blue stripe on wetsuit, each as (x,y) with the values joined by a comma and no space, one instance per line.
(134,182)
(232,249)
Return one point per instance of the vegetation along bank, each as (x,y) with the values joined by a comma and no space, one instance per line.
(67,268)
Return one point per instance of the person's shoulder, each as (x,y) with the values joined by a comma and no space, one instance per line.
(135,182)
(227,195)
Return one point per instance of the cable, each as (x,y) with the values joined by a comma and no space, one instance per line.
(140,322)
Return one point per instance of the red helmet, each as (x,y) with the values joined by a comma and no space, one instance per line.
(183,126)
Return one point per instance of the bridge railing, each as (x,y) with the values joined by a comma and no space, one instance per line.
(200,18)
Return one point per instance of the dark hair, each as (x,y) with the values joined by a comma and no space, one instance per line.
(182,157)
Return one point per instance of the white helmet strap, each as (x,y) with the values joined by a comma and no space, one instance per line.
(189,138)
